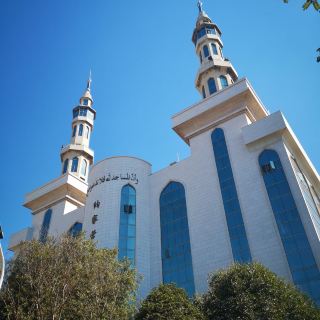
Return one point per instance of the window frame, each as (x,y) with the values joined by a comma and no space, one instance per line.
(75,164)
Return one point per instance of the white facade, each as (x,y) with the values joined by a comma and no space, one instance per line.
(249,130)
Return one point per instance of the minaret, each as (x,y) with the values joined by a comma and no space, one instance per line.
(77,156)
(216,72)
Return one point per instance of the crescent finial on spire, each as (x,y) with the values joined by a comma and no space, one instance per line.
(200,6)
(89,81)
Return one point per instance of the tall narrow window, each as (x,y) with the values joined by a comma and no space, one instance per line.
(212,86)
(127,229)
(74,167)
(203,93)
(220,52)
(81,129)
(175,240)
(200,55)
(75,230)
(223,82)
(205,51)
(74,131)
(214,48)
(84,167)
(87,132)
(65,166)
(45,226)
(237,232)
(302,264)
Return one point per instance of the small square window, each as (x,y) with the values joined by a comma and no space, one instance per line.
(127,208)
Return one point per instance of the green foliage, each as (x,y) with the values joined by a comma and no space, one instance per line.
(168,302)
(251,292)
(308,3)
(67,279)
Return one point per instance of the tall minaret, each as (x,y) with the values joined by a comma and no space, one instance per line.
(77,156)
(215,72)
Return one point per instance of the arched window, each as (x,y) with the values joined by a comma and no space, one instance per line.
(214,48)
(175,241)
(127,228)
(223,82)
(203,93)
(87,132)
(74,167)
(205,51)
(45,226)
(84,167)
(302,264)
(212,86)
(237,232)
(65,166)
(75,230)
(74,131)
(81,129)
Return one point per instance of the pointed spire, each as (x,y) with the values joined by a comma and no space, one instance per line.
(87,93)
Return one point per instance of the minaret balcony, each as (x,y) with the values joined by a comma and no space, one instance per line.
(67,187)
(217,108)
(78,149)
(87,119)
(84,111)
(208,38)
(215,63)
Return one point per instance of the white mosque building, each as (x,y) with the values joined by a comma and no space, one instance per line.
(248,191)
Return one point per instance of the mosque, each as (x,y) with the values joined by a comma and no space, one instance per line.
(248,191)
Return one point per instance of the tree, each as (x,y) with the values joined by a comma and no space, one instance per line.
(67,279)
(250,292)
(168,302)
(308,3)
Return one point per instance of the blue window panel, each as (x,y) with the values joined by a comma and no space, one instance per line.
(45,226)
(201,33)
(74,131)
(75,229)
(214,48)
(212,86)
(175,239)
(65,166)
(127,228)
(74,167)
(203,93)
(75,113)
(237,232)
(302,264)
(223,81)
(80,130)
(205,51)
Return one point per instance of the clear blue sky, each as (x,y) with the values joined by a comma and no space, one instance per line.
(143,66)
